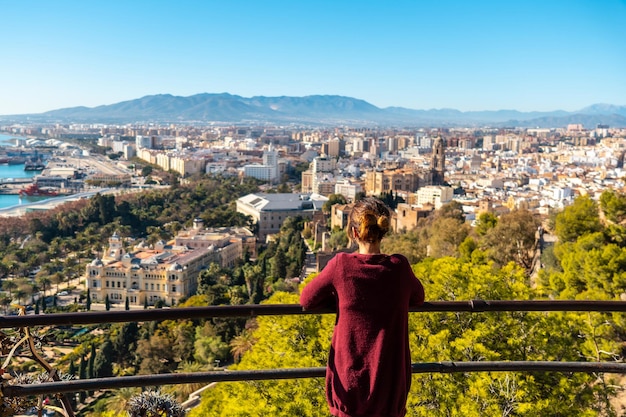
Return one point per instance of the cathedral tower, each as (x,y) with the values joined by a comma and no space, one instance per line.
(438,162)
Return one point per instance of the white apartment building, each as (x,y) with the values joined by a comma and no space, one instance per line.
(270,159)
(258,171)
(347,189)
(269,211)
(268,171)
(323,164)
(146,142)
(437,196)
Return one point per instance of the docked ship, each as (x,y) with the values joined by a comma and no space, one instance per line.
(33,190)
(12,160)
(34,165)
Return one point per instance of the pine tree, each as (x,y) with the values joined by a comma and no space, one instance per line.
(103,366)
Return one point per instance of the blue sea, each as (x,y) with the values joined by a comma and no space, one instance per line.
(14,171)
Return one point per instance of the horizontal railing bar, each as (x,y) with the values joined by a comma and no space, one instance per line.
(96,384)
(253,310)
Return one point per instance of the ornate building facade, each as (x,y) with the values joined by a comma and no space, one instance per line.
(167,271)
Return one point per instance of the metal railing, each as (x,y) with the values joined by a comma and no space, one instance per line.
(473,306)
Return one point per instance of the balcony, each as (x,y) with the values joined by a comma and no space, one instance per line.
(26,322)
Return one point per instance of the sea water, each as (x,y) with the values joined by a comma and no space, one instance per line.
(14,171)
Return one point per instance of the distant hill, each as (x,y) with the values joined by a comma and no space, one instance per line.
(315,110)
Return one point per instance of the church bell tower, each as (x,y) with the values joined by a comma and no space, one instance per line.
(438,162)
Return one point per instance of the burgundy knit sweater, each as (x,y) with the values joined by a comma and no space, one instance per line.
(369,364)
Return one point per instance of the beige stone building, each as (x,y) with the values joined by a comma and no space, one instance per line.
(166,271)
(407,216)
(378,182)
(339,215)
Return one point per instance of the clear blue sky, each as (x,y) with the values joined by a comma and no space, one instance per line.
(421,54)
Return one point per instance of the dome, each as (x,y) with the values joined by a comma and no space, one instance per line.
(96,262)
(176,267)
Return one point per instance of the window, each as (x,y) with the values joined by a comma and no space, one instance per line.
(146,286)
(107,284)
(152,287)
(173,288)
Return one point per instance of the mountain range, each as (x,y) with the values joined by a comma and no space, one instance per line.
(314,110)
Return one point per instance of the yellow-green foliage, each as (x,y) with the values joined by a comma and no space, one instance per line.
(303,341)
(282,342)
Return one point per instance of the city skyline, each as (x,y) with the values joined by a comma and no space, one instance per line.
(526,56)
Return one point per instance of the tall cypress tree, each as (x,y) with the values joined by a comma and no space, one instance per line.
(107,303)
(88,302)
(82,374)
(82,369)
(92,358)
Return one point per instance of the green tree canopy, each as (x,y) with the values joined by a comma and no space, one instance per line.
(577,220)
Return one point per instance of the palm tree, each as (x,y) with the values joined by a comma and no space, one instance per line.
(119,400)
(26,288)
(5,301)
(183,391)
(44,282)
(9,285)
(20,294)
(241,343)
(57,278)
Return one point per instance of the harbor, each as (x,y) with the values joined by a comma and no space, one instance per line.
(40,177)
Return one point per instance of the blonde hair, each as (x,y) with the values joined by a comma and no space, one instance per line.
(371,219)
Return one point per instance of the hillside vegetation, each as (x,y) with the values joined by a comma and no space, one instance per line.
(588,262)
(495,260)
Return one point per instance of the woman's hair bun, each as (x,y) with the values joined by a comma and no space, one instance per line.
(383,223)
(371,218)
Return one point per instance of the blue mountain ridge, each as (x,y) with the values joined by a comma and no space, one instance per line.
(315,110)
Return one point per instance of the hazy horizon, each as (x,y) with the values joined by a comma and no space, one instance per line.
(525,56)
